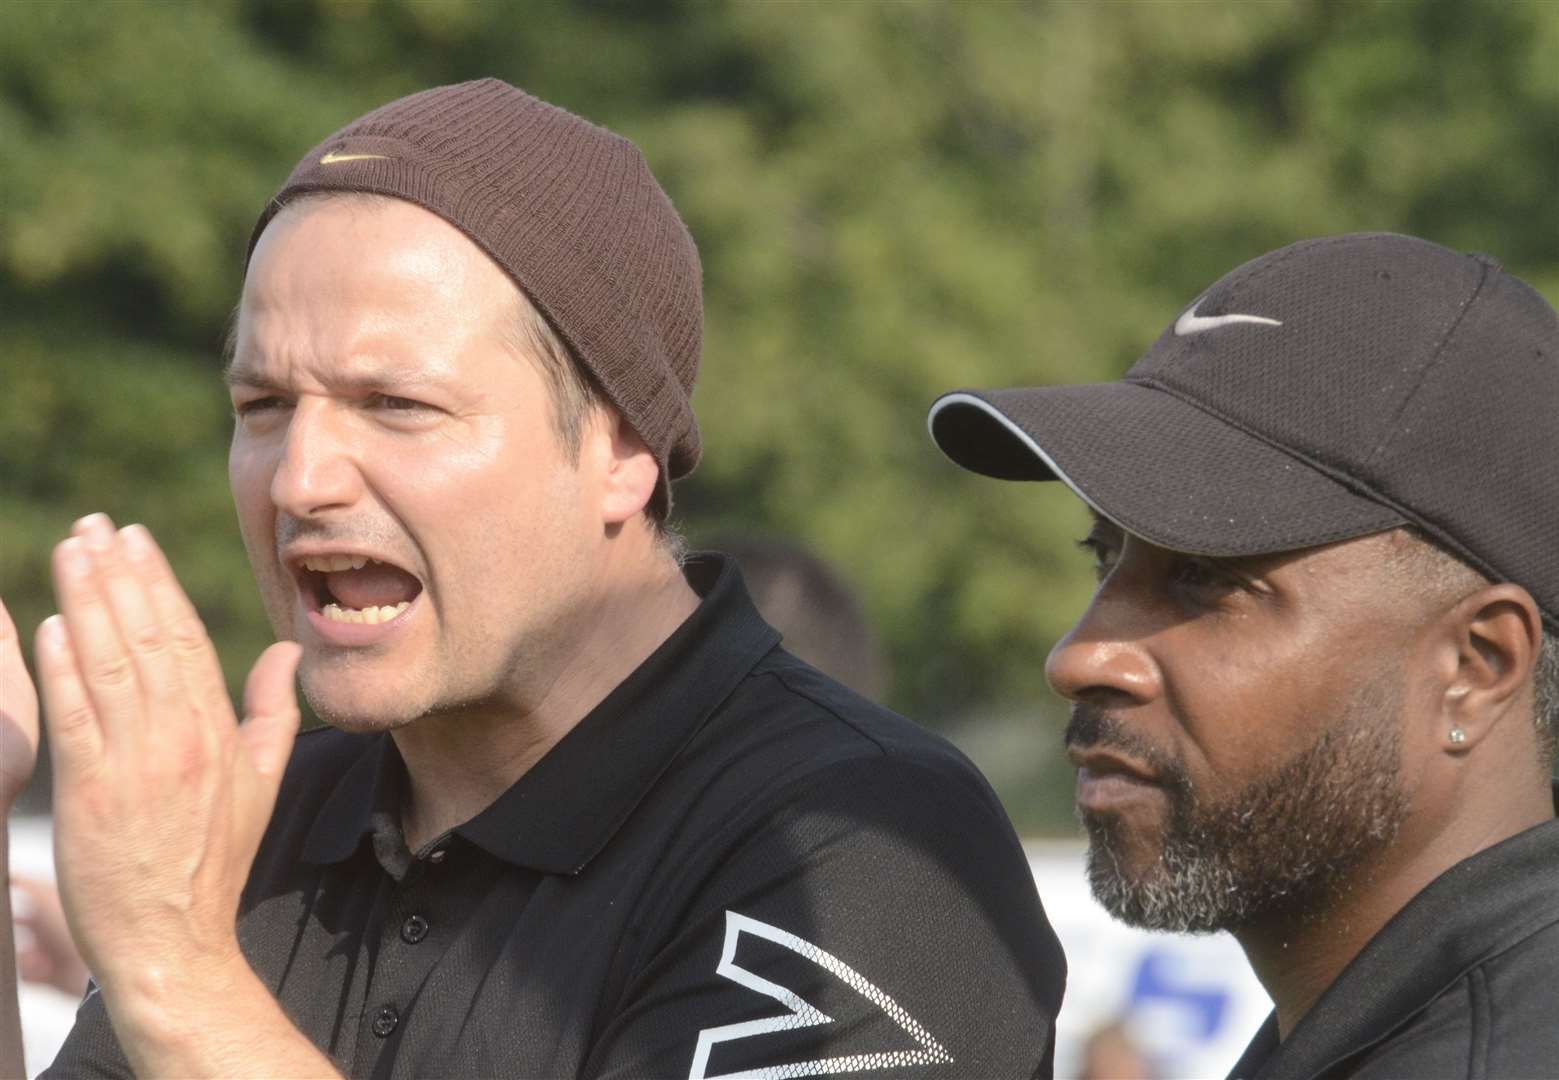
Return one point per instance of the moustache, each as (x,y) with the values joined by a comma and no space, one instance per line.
(290,529)
(1092,727)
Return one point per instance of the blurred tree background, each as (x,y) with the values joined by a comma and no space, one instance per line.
(891,199)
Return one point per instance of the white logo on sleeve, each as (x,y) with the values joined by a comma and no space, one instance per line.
(1192,323)
(800,1014)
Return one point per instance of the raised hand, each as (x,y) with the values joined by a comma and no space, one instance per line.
(18,717)
(160,796)
(18,755)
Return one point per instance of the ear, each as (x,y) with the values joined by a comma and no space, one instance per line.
(629,470)
(1497,633)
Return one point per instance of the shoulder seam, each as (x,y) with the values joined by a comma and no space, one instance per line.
(779,675)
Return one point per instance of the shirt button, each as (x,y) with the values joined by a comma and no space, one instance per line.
(385,1021)
(414,929)
(437,857)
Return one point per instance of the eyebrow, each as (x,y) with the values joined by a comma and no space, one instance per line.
(235,375)
(1098,521)
(381,379)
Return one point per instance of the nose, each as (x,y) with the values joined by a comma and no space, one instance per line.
(318,469)
(1100,662)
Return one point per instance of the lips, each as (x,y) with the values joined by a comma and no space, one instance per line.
(1108,782)
(352,581)
(1099,762)
(352,597)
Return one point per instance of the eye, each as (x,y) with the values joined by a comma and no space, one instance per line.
(1103,551)
(255,406)
(1204,575)
(391,403)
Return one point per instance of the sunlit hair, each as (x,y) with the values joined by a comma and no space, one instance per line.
(575,396)
(1430,566)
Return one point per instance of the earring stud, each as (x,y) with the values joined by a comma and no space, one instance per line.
(1458,736)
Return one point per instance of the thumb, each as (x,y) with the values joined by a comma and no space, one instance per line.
(271,709)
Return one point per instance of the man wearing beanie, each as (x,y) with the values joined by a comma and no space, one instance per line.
(576,812)
(1315,695)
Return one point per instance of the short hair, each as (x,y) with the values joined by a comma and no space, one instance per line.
(1431,566)
(575,396)
(574,393)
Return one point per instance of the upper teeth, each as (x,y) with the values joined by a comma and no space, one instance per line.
(328,564)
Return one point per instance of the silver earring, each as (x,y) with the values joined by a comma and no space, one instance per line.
(1458,736)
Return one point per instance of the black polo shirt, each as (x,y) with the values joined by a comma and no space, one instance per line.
(1462,982)
(732,865)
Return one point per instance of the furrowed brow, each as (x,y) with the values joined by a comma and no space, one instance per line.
(236,374)
(367,381)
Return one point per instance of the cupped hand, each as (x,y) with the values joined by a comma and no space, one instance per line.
(160,795)
(18,717)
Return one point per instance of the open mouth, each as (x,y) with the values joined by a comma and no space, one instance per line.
(355,588)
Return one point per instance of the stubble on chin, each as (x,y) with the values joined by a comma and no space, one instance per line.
(1284,846)
(343,694)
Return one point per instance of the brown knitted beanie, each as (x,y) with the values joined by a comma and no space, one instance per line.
(571,213)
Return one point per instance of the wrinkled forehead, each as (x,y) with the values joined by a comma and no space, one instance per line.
(377,259)
(358,290)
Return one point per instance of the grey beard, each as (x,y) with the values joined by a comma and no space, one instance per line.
(1285,846)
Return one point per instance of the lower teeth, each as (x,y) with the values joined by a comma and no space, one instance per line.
(337,613)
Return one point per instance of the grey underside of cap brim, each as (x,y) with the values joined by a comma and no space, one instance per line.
(1157,466)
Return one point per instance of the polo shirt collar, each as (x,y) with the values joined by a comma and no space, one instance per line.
(567,806)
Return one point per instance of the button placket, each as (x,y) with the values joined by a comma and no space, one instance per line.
(386,1020)
(414,929)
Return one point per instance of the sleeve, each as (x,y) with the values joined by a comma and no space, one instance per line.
(878,918)
(91,1050)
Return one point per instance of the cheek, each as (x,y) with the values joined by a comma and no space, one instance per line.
(1241,706)
(249,478)
(483,509)
(470,461)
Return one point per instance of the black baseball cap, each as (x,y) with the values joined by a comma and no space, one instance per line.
(1324,391)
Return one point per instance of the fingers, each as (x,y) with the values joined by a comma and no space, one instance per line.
(18,715)
(271,709)
(106,669)
(75,740)
(16,693)
(200,670)
(140,648)
(18,698)
(142,632)
(38,890)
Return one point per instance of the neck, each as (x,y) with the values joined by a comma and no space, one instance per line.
(1298,956)
(457,764)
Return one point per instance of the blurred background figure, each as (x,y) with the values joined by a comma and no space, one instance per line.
(42,944)
(1112,1054)
(806,600)
(45,952)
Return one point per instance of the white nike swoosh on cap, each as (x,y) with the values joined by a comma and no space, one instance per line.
(1192,323)
(334,158)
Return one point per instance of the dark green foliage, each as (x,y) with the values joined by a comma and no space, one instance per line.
(891,199)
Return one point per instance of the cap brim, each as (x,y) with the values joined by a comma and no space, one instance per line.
(1158,467)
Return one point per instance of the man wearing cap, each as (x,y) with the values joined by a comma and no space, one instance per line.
(1315,695)
(576,812)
